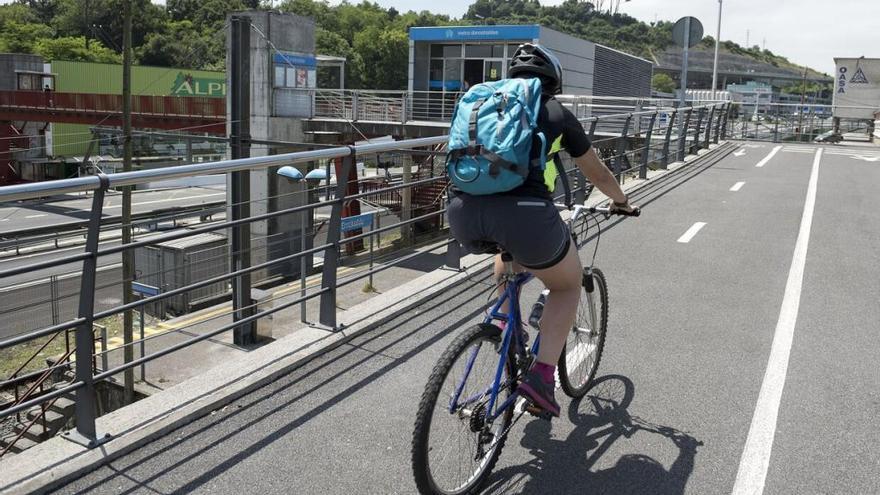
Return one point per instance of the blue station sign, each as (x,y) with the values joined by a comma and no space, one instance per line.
(475,33)
(295,59)
(357,222)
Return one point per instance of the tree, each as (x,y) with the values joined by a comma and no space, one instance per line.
(181,45)
(17,12)
(662,83)
(74,48)
(22,38)
(382,58)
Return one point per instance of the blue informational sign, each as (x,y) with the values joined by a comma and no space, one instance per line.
(357,222)
(144,289)
(470,33)
(295,59)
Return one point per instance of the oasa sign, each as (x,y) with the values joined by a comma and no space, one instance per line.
(856,88)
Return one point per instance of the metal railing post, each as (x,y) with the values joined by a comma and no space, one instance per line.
(696,146)
(643,170)
(726,118)
(709,127)
(592,132)
(682,138)
(404,108)
(581,194)
(327,315)
(721,114)
(775,126)
(621,149)
(669,127)
(453,254)
(354,106)
(86,400)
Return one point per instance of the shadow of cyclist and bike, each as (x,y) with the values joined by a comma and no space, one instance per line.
(569,465)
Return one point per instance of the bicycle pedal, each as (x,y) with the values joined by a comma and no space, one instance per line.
(538,412)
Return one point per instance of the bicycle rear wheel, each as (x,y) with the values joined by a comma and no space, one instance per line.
(583,345)
(454,451)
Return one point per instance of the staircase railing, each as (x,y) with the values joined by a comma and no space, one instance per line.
(38,386)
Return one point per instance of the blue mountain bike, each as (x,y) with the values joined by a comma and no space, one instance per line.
(469,403)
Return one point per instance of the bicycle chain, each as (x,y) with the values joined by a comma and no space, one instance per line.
(506,430)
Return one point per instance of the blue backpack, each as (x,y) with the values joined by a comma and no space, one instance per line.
(491,136)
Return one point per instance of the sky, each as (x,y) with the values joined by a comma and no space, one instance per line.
(807,32)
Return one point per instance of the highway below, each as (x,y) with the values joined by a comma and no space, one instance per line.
(741,358)
(77,207)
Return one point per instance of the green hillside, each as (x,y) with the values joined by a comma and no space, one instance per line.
(190,33)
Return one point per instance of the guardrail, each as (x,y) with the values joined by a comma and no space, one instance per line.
(429,106)
(778,122)
(642,140)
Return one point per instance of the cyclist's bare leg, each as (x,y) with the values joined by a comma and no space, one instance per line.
(564,282)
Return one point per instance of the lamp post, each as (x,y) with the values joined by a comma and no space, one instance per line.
(312,178)
(717,41)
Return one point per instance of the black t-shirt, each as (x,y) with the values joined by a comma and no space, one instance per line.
(554,120)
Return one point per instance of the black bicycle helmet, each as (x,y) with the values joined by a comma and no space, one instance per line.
(532,59)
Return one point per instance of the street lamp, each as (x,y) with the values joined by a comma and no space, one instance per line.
(295,176)
(717,41)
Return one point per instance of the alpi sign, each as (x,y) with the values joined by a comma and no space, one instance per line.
(188,85)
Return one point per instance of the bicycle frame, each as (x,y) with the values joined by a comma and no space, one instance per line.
(513,320)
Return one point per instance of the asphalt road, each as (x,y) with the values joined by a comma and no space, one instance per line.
(24,215)
(690,332)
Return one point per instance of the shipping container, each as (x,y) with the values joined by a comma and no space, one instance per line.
(181,262)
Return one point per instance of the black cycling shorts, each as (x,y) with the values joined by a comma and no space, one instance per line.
(528,228)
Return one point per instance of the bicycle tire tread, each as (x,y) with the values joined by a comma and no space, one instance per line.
(429,400)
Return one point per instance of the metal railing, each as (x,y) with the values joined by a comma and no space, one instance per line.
(792,122)
(649,138)
(437,106)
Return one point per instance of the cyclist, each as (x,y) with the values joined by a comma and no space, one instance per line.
(525,222)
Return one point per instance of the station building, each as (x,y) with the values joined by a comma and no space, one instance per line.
(446,60)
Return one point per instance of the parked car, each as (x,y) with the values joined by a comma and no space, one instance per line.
(829,137)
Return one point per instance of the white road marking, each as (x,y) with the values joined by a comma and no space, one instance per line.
(737,186)
(37,216)
(755,460)
(168,199)
(739,152)
(867,158)
(768,157)
(691,232)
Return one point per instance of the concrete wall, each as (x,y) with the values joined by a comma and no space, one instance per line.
(11,62)
(577,57)
(271,32)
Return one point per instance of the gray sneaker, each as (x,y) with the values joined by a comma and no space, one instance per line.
(540,393)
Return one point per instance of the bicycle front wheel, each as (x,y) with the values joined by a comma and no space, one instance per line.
(455,446)
(583,345)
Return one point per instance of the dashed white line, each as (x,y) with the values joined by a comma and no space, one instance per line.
(755,460)
(168,199)
(37,216)
(691,232)
(737,186)
(768,157)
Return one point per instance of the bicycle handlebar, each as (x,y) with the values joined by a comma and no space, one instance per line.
(605,210)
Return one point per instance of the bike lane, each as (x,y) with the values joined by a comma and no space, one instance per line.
(690,329)
(827,437)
